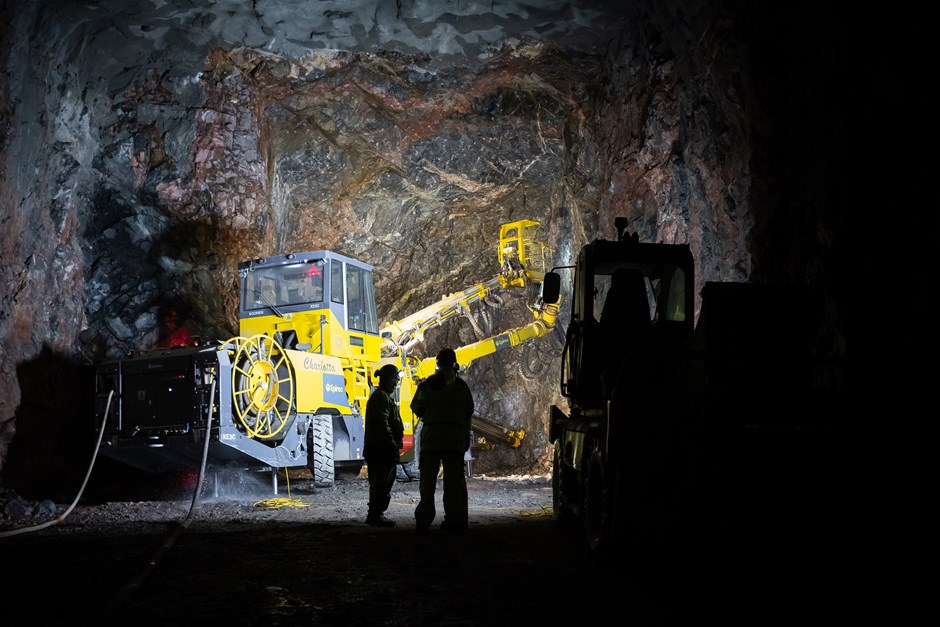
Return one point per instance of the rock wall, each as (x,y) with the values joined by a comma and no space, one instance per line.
(136,172)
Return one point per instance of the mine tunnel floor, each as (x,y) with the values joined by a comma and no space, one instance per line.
(308,558)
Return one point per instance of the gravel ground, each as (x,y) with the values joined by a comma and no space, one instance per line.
(303,557)
(244,556)
(241,498)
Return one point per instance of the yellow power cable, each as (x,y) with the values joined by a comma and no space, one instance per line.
(277,502)
(525,513)
(542,512)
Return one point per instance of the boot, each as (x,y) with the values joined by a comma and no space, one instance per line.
(378,520)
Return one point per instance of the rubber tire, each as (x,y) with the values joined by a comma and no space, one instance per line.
(596,512)
(562,515)
(320,452)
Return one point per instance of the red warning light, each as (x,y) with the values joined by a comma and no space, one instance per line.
(181,337)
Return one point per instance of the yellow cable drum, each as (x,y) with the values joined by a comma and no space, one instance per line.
(262,385)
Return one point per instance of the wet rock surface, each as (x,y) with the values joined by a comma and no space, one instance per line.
(171,142)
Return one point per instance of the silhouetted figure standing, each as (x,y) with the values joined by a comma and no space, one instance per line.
(445,406)
(383,441)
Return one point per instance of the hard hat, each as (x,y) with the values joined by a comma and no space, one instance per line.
(388,370)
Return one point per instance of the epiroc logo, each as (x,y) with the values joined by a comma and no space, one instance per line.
(334,390)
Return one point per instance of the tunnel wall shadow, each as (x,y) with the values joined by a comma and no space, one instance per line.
(50,452)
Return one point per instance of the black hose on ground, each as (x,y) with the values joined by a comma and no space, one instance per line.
(175,532)
(81,490)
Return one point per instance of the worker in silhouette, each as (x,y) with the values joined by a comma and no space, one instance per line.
(384,433)
(444,404)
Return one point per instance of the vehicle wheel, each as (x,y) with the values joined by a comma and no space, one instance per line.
(563,516)
(320,452)
(596,507)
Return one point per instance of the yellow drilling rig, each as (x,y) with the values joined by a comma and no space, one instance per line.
(291,389)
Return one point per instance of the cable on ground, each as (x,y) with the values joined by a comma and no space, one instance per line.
(277,502)
(81,490)
(175,531)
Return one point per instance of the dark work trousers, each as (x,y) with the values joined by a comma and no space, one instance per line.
(381,480)
(455,487)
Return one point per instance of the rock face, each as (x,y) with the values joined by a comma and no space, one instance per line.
(144,153)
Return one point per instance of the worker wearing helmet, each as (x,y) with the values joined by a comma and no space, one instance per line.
(444,404)
(383,441)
